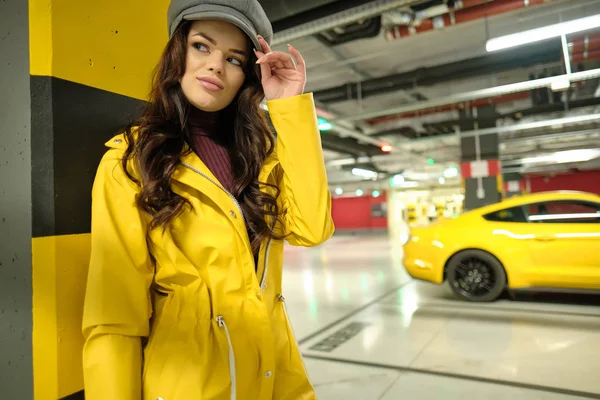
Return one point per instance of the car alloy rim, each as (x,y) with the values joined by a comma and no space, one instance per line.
(474,277)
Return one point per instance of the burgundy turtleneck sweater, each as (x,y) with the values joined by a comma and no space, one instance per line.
(209,141)
(209,136)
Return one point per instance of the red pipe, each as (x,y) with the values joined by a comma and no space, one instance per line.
(591,54)
(451,107)
(471,3)
(584,56)
(581,44)
(482,10)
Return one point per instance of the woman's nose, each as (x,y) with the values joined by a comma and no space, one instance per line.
(215,64)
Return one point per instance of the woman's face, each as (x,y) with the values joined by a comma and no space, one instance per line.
(217,54)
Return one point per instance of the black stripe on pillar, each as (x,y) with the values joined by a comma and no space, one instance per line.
(75,396)
(70,124)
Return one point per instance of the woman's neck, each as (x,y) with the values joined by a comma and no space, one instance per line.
(203,123)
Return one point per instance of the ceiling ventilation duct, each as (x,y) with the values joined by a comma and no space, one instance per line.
(278,10)
(288,14)
(359,30)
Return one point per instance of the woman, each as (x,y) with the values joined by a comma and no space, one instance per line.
(190,209)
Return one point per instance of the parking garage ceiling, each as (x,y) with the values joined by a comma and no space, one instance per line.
(373,58)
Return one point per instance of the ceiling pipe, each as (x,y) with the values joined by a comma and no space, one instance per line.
(582,49)
(278,10)
(515,114)
(475,95)
(346,17)
(451,107)
(413,20)
(584,43)
(347,146)
(523,57)
(302,12)
(502,130)
(448,126)
(476,10)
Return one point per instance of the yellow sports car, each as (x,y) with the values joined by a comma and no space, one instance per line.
(541,241)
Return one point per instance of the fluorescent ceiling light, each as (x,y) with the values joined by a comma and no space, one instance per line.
(561,157)
(547,32)
(397,180)
(359,192)
(560,85)
(339,191)
(451,172)
(404,185)
(365,173)
(418,176)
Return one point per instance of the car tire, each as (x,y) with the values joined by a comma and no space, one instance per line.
(476,275)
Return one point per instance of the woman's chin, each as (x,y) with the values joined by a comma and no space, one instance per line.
(207,104)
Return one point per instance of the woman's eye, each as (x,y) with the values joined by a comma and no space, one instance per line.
(200,46)
(235,61)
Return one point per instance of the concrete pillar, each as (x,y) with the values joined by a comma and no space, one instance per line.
(16,372)
(480,167)
(514,184)
(90,67)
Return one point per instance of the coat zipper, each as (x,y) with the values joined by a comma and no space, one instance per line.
(220,186)
(263,281)
(232,377)
(282,300)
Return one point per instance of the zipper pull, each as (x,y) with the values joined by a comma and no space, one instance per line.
(220,321)
(280,298)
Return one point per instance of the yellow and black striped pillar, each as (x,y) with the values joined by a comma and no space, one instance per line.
(90,66)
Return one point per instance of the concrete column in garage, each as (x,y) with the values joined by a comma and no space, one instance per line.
(16,372)
(514,184)
(90,74)
(480,164)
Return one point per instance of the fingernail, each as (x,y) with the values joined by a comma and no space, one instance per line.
(289,45)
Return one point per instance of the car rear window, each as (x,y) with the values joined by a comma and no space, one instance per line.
(514,214)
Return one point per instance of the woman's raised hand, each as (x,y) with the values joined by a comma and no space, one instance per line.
(281,78)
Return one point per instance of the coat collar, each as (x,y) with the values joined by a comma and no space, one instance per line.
(191,177)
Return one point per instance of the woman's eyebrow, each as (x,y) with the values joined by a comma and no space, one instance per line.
(214,43)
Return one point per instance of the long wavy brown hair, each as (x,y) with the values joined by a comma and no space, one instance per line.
(159,137)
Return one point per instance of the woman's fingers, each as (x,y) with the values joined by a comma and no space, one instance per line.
(263,43)
(265,69)
(300,64)
(279,59)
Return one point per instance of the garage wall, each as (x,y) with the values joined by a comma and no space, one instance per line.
(588,181)
(15,204)
(351,213)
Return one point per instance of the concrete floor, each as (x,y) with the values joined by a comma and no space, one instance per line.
(370,332)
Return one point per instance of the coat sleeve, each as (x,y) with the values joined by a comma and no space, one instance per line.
(117,301)
(304,189)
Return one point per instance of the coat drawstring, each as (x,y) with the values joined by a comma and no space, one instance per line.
(232,377)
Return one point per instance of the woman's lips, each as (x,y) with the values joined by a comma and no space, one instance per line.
(210,84)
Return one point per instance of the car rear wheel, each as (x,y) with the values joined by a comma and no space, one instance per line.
(475,275)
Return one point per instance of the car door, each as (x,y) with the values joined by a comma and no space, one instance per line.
(565,249)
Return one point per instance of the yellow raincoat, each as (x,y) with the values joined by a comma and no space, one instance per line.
(184,315)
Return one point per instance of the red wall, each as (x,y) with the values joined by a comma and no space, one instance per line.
(355,212)
(588,181)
